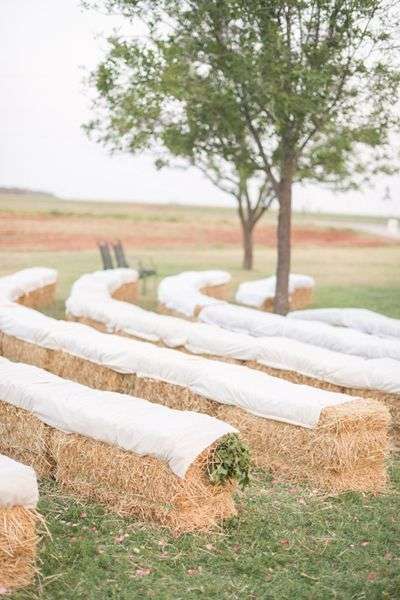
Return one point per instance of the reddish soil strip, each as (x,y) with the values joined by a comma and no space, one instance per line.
(51,232)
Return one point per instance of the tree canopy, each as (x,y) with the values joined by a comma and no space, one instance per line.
(259,95)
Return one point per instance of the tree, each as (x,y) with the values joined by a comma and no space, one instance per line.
(179,113)
(278,91)
(253,196)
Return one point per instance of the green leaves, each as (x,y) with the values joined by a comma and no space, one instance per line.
(231,460)
(237,87)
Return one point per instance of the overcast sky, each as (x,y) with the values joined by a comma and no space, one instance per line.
(45,47)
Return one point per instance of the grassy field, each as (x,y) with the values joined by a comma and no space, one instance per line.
(286,542)
(135,210)
(345,277)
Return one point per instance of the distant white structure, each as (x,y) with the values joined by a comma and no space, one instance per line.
(393,226)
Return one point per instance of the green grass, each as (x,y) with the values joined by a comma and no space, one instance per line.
(286,542)
(364,277)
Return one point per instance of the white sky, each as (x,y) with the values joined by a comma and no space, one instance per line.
(45,47)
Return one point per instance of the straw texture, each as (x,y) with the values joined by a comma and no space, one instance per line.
(25,438)
(300,298)
(40,297)
(18,543)
(128,292)
(141,486)
(392,401)
(220,292)
(25,352)
(123,481)
(164,310)
(346,451)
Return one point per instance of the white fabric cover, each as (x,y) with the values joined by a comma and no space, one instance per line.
(18,484)
(360,319)
(104,283)
(181,292)
(255,293)
(263,324)
(22,282)
(256,392)
(200,338)
(177,437)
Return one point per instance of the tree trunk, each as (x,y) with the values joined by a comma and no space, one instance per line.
(281,304)
(247,230)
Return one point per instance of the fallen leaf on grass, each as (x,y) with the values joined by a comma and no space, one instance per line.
(372,576)
(388,556)
(142,571)
(194,571)
(209,547)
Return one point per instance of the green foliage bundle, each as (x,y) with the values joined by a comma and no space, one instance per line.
(231,460)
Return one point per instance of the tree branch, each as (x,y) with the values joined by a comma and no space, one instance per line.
(258,142)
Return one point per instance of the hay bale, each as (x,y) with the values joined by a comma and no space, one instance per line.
(40,297)
(160,331)
(87,321)
(25,438)
(18,519)
(18,543)
(188,292)
(141,486)
(176,468)
(220,292)
(102,378)
(261,293)
(301,297)
(31,287)
(25,352)
(87,373)
(359,319)
(127,292)
(173,396)
(164,310)
(345,451)
(392,401)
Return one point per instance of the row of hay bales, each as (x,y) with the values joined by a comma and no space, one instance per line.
(92,301)
(298,432)
(177,468)
(201,285)
(181,295)
(136,457)
(341,443)
(260,294)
